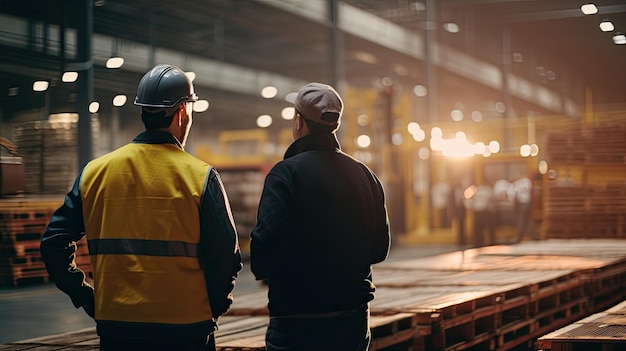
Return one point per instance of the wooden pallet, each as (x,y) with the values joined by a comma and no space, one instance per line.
(492,298)
(601,331)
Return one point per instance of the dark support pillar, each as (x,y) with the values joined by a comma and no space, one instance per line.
(336,50)
(84,83)
(432,98)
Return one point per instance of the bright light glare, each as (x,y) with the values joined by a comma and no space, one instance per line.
(524,150)
(479,148)
(63,118)
(477,116)
(366,57)
(40,85)
(423,153)
(534,150)
(436,132)
(69,77)
(419,135)
(420,90)
(457,147)
(494,147)
(589,9)
(543,167)
(200,106)
(607,26)
(269,92)
(456,115)
(451,27)
(115,62)
(413,127)
(363,120)
(264,121)
(436,144)
(94,107)
(396,139)
(287,113)
(619,39)
(470,191)
(363,141)
(119,100)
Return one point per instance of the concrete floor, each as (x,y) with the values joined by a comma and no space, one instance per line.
(38,310)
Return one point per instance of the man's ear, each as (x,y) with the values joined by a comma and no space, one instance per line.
(299,122)
(181,114)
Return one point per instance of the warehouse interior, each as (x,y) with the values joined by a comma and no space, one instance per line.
(441,97)
(515,82)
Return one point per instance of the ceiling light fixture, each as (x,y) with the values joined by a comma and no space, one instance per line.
(69,77)
(115,62)
(607,26)
(589,9)
(619,39)
(40,85)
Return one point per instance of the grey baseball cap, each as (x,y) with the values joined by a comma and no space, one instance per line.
(319,102)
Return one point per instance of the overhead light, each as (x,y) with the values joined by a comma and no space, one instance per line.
(366,57)
(40,85)
(607,26)
(69,77)
(589,9)
(287,113)
(115,62)
(119,100)
(94,107)
(619,39)
(14,91)
(451,27)
(264,121)
(269,92)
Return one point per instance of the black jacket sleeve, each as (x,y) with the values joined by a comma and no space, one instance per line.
(58,248)
(380,236)
(219,252)
(272,216)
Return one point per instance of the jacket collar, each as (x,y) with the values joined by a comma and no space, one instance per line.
(313,142)
(154,136)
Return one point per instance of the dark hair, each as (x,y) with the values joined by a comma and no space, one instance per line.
(318,128)
(156,119)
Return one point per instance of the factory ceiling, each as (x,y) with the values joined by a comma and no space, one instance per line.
(549,43)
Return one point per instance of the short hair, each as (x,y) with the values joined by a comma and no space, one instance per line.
(319,128)
(156,119)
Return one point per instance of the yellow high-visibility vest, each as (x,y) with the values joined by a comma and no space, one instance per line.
(140,208)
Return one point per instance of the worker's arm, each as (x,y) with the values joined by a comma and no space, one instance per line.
(219,252)
(58,249)
(273,219)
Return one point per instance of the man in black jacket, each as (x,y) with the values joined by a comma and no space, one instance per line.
(322,222)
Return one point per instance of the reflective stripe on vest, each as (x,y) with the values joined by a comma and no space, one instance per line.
(142,247)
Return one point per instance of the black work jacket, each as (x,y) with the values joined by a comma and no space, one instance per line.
(322,222)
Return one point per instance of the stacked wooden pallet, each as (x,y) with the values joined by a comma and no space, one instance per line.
(492,298)
(589,198)
(601,331)
(20,235)
(566,145)
(50,154)
(244,186)
(21,230)
(606,143)
(501,297)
